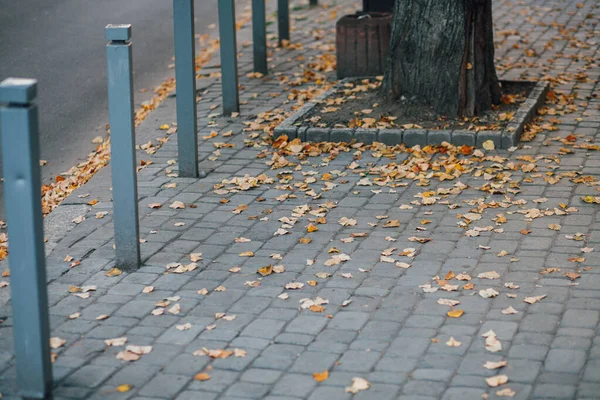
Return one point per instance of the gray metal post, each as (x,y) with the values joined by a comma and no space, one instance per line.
(185,76)
(229,77)
(122,146)
(283,19)
(259,36)
(21,163)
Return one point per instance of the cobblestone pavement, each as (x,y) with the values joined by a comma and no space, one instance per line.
(365,317)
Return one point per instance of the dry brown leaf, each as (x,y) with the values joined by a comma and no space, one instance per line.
(195,257)
(489,275)
(177,205)
(494,364)
(56,342)
(487,293)
(120,341)
(572,275)
(495,381)
(113,272)
(509,310)
(294,285)
(202,376)
(358,384)
(534,299)
(392,223)
(506,392)
(448,302)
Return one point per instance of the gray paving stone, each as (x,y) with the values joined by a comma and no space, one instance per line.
(89,376)
(164,386)
(295,384)
(561,360)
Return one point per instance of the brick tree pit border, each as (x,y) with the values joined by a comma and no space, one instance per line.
(503,139)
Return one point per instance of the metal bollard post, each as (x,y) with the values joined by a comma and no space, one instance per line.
(22,183)
(228,47)
(283,19)
(259,36)
(122,146)
(185,76)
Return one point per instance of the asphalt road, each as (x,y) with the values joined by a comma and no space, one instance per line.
(61,44)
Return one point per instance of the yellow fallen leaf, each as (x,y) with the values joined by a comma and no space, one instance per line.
(247,254)
(311,228)
(265,271)
(455,313)
(202,376)
(321,376)
(124,388)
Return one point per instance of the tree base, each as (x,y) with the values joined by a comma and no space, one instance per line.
(442,53)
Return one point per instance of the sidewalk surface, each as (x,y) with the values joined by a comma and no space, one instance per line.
(351,306)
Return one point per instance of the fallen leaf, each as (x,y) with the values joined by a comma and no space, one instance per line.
(321,376)
(487,293)
(494,364)
(56,342)
(495,381)
(202,376)
(453,342)
(294,285)
(148,289)
(392,223)
(489,275)
(183,327)
(572,275)
(492,344)
(176,205)
(455,313)
(509,310)
(124,388)
(247,254)
(120,341)
(75,315)
(113,272)
(175,309)
(358,384)
(195,257)
(448,302)
(533,299)
(265,271)
(506,392)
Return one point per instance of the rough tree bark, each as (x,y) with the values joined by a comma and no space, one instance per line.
(442,54)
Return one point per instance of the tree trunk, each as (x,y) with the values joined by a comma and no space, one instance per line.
(442,54)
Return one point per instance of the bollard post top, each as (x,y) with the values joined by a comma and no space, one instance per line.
(18,90)
(120,33)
